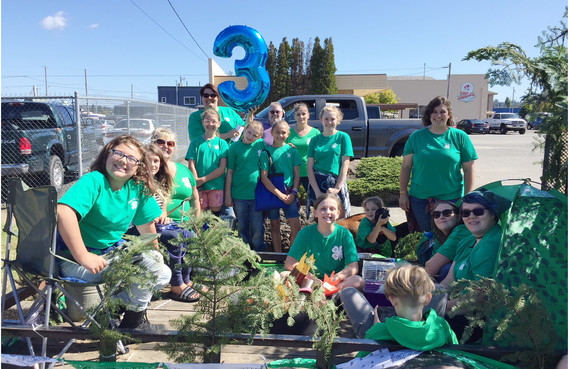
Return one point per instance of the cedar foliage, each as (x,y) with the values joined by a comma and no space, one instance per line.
(119,276)
(238,302)
(516,315)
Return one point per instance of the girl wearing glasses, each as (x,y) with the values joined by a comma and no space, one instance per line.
(230,120)
(183,188)
(437,248)
(96,211)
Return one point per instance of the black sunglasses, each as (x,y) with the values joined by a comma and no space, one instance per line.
(446,213)
(275,111)
(205,95)
(161,142)
(477,212)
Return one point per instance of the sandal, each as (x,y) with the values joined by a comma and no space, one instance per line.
(185,296)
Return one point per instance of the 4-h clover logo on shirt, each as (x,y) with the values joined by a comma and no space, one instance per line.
(186,182)
(337,252)
(134,204)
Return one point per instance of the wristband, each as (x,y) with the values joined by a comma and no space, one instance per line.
(294,192)
(403,192)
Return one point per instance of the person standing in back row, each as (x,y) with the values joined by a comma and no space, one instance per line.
(439,159)
(229,119)
(328,159)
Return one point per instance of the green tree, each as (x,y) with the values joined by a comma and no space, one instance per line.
(317,68)
(329,68)
(271,66)
(507,102)
(548,91)
(283,75)
(383,97)
(298,80)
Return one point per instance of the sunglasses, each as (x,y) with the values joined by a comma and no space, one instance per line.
(477,212)
(275,111)
(205,95)
(160,142)
(446,213)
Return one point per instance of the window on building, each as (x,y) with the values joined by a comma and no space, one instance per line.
(163,99)
(189,100)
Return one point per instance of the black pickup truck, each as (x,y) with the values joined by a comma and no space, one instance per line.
(39,142)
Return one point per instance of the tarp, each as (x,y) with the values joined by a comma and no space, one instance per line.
(534,248)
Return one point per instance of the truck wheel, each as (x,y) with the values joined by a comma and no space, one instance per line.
(56,172)
(398,150)
(503,129)
(522,131)
(528,126)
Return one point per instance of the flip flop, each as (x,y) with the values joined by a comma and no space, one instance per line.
(185,296)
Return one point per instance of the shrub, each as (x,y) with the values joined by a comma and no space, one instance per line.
(406,247)
(377,176)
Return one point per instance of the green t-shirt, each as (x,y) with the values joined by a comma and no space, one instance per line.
(328,152)
(183,185)
(364,229)
(436,167)
(285,159)
(302,145)
(229,120)
(428,334)
(104,214)
(449,247)
(243,159)
(332,253)
(206,155)
(479,260)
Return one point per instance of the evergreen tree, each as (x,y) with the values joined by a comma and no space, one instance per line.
(283,76)
(298,82)
(271,66)
(317,68)
(308,52)
(329,68)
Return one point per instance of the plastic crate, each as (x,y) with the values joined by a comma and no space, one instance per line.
(374,274)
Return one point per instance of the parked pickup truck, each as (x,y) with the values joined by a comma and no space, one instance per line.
(39,142)
(370,137)
(504,122)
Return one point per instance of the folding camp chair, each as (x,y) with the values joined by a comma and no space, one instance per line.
(34,212)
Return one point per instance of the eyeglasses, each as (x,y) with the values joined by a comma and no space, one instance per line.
(477,212)
(161,142)
(212,96)
(446,213)
(275,111)
(131,160)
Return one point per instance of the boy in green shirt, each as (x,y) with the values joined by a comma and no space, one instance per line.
(409,289)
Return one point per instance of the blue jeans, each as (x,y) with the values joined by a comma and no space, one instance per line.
(169,234)
(418,207)
(250,223)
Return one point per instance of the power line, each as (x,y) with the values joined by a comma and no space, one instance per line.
(174,38)
(180,19)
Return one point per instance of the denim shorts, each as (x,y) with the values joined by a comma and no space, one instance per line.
(291,211)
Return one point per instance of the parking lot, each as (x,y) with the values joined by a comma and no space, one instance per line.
(509,156)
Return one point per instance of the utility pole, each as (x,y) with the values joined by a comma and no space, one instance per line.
(86,93)
(424,71)
(513,102)
(45,75)
(448,79)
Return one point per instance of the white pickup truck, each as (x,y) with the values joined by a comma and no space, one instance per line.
(504,122)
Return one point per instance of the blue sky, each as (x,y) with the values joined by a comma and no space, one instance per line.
(123,49)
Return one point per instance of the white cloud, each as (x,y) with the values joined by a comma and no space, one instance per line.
(94,25)
(57,21)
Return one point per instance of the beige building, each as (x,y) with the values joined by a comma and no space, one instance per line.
(469,93)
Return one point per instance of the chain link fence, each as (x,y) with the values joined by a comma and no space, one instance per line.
(555,164)
(43,144)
